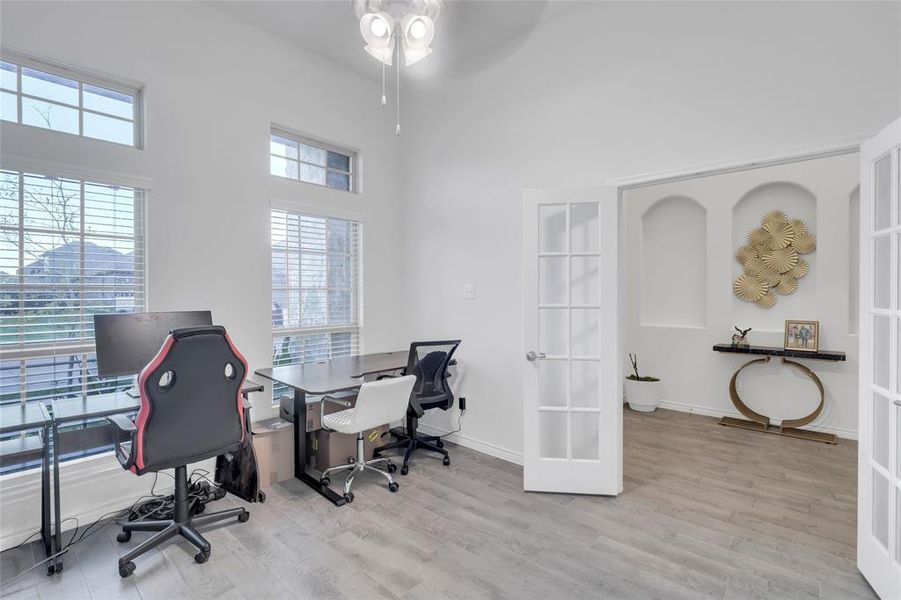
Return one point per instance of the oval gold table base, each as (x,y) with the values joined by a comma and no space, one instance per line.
(788,427)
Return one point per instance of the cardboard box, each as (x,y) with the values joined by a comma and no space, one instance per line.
(329,448)
(286,410)
(273,444)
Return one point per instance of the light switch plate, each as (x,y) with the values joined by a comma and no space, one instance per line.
(469,291)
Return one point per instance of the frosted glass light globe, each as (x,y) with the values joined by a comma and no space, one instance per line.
(417,29)
(378,27)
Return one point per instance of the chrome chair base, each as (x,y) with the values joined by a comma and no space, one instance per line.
(359,465)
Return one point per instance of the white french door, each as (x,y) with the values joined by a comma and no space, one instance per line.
(572,394)
(879,450)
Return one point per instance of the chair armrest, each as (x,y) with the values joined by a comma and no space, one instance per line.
(125,450)
(123,424)
(416,407)
(338,401)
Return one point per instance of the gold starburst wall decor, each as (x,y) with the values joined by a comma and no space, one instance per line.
(749,288)
(770,261)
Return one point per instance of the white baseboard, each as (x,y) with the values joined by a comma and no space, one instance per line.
(848,434)
(474,444)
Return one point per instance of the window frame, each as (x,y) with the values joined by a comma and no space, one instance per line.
(82,77)
(356,287)
(299,138)
(83,346)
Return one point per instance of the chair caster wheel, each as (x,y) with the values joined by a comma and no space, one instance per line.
(244,517)
(392,467)
(446,461)
(51,570)
(349,497)
(393,487)
(439,443)
(351,460)
(123,537)
(404,470)
(325,482)
(201,557)
(126,569)
(261,497)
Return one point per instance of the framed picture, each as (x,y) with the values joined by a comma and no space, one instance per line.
(803,336)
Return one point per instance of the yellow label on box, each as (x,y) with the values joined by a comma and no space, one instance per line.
(374,435)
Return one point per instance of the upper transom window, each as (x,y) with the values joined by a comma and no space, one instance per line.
(310,161)
(60,99)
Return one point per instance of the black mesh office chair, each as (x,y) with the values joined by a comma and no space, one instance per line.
(191,409)
(429,362)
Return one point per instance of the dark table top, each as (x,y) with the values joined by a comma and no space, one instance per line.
(16,417)
(774,351)
(104,405)
(337,374)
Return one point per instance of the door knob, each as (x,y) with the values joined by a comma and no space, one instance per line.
(532,355)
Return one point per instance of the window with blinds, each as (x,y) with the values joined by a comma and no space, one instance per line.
(68,249)
(316,274)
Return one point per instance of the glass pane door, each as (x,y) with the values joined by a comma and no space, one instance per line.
(572,424)
(879,480)
(569,330)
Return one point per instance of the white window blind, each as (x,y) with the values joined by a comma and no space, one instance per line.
(316,299)
(52,97)
(68,249)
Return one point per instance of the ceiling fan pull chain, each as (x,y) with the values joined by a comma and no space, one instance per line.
(384,97)
(397,100)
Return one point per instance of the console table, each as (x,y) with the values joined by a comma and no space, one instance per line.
(788,427)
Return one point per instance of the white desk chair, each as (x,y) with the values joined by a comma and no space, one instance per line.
(378,402)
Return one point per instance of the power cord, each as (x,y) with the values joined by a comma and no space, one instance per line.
(153,505)
(459,419)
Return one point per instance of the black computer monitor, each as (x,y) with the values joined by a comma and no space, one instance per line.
(127,342)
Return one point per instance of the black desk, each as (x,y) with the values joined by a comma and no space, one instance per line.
(19,418)
(327,377)
(70,410)
(787,427)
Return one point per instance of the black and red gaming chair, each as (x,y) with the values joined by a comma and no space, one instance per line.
(191,409)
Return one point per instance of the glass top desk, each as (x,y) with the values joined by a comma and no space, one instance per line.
(16,418)
(71,410)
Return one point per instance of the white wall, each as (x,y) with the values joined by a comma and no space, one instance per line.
(696,379)
(213,86)
(602,91)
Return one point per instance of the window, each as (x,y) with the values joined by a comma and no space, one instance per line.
(41,95)
(68,249)
(313,162)
(316,274)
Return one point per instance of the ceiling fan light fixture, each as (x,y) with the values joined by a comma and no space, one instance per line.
(377,29)
(389,26)
(418,31)
(413,56)
(385,55)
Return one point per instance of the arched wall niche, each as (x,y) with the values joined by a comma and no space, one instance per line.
(798,203)
(674,263)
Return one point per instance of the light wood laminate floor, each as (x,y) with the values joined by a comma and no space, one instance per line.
(707,512)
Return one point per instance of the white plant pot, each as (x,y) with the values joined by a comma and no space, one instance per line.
(642,396)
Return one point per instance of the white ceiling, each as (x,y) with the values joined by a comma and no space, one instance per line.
(469,33)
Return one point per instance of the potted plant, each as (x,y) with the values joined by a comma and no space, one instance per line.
(642,393)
